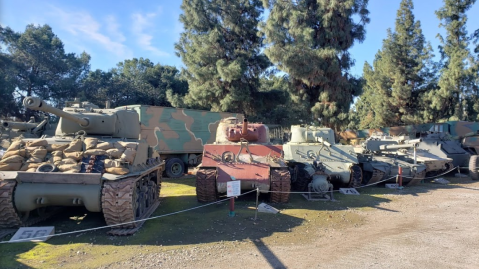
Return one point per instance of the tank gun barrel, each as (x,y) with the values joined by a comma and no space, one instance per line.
(36,103)
(413,141)
(244,131)
(324,142)
(402,146)
(19,125)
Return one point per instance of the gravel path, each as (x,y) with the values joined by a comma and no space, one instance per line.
(420,227)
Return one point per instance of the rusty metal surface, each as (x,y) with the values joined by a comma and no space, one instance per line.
(213,153)
(280,185)
(206,185)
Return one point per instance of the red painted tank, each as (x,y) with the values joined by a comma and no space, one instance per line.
(243,152)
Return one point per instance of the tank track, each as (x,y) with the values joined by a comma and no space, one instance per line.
(356,176)
(206,185)
(301,178)
(417,178)
(8,215)
(280,185)
(377,176)
(130,199)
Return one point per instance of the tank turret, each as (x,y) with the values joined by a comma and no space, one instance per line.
(229,130)
(94,121)
(317,162)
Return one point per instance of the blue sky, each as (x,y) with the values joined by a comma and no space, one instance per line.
(112,31)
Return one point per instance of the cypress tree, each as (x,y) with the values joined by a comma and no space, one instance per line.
(401,73)
(220,47)
(309,40)
(456,99)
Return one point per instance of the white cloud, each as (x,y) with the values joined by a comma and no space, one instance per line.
(82,24)
(141,22)
(113,28)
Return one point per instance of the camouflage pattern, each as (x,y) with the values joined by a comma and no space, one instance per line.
(177,130)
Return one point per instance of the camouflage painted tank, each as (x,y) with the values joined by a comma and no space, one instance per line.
(94,160)
(379,159)
(242,152)
(314,157)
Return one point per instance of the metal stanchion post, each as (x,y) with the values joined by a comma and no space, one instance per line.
(257,198)
(400,176)
(232,207)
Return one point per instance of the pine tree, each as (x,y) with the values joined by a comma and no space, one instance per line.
(401,73)
(309,40)
(221,50)
(456,99)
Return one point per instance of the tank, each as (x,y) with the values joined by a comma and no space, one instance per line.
(9,130)
(317,162)
(414,153)
(379,159)
(243,152)
(96,160)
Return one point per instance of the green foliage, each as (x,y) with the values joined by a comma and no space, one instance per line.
(401,73)
(38,64)
(221,50)
(310,40)
(135,81)
(457,95)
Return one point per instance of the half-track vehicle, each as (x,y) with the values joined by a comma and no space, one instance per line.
(317,162)
(379,160)
(95,160)
(242,152)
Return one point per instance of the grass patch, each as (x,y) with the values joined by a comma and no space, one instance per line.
(297,222)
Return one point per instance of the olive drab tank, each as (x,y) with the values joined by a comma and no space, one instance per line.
(242,152)
(96,159)
(317,162)
(380,159)
(10,130)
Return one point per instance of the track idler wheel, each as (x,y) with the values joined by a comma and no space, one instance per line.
(473,166)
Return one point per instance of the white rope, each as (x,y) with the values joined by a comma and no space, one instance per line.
(119,224)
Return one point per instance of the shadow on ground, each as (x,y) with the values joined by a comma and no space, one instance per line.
(209,224)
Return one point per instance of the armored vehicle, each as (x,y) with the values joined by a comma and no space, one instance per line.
(314,157)
(435,164)
(242,152)
(379,159)
(179,134)
(10,130)
(95,160)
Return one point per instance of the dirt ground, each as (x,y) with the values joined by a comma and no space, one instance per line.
(420,227)
(425,226)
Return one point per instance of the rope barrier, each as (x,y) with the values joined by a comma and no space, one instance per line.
(115,225)
(194,208)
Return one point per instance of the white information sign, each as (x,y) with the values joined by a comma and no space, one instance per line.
(233,188)
(392,186)
(31,234)
(349,191)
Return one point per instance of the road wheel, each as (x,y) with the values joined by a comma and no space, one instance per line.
(473,165)
(174,168)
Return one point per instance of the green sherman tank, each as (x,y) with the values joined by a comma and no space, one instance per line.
(379,159)
(314,157)
(95,160)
